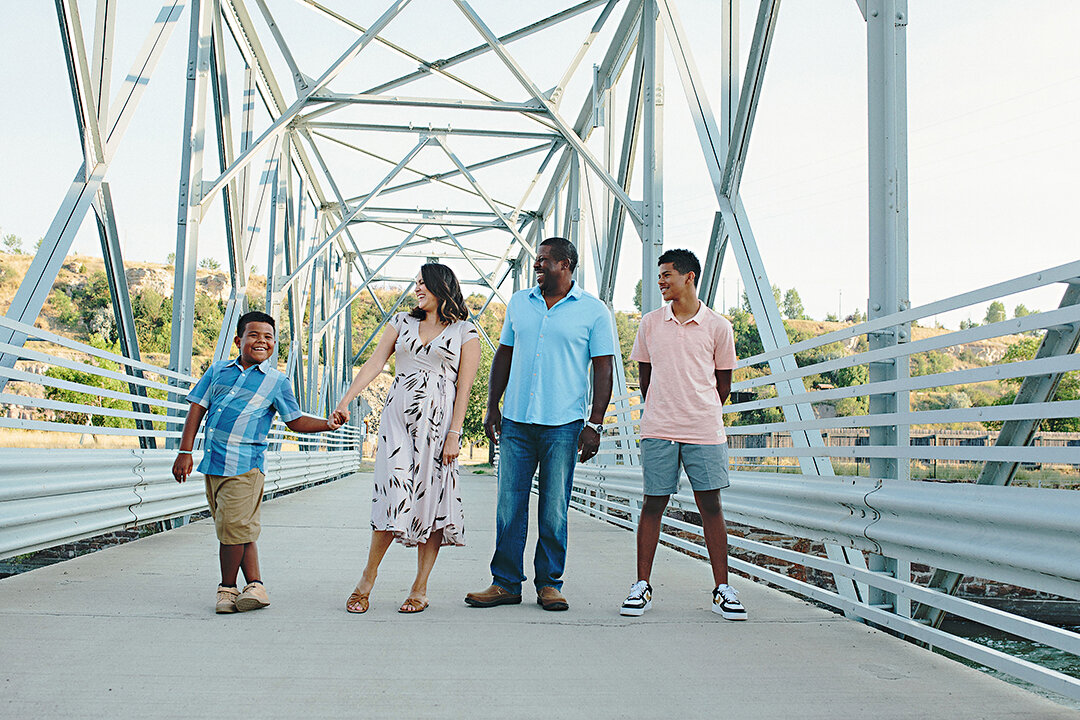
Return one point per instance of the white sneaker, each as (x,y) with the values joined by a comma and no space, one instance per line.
(726,603)
(638,601)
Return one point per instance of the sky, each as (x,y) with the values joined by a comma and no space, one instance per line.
(993,107)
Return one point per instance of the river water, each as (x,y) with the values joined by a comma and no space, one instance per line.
(1033,652)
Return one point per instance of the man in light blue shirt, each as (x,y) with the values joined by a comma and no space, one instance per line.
(551,335)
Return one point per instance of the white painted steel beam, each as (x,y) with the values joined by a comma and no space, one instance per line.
(30,297)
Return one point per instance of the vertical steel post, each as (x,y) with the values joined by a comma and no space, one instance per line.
(886,27)
(191,181)
(886,33)
(729,104)
(573,215)
(652,236)
(121,302)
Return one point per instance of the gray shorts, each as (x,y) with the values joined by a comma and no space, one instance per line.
(706,466)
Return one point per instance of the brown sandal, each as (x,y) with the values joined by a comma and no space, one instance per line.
(413,605)
(358,598)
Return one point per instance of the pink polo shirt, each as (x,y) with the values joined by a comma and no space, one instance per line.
(683,404)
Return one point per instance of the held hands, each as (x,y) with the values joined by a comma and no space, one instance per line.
(339,417)
(181,467)
(451,448)
(588,443)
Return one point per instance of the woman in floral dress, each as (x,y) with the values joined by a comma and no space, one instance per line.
(417,500)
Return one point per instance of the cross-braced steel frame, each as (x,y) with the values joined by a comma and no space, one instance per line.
(342,171)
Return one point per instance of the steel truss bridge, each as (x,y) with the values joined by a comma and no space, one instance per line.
(343,168)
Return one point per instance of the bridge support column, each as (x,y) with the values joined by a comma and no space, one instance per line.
(886,33)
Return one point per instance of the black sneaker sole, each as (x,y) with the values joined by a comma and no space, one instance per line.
(508,600)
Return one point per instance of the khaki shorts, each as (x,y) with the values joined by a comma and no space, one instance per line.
(235,503)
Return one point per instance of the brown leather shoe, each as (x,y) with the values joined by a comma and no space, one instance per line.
(549,598)
(491,597)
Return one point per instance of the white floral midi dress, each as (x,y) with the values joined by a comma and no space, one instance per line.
(415,493)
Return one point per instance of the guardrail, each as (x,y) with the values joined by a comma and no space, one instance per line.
(50,496)
(1023,536)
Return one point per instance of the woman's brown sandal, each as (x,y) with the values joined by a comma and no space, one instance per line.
(358,599)
(413,605)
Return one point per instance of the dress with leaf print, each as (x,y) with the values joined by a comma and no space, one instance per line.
(415,493)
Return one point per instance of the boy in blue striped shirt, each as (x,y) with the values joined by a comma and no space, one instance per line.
(239,399)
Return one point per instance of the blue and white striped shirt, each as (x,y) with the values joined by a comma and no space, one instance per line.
(240,409)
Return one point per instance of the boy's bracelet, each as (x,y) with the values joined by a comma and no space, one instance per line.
(184,452)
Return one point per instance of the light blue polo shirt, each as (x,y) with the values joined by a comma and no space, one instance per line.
(549,376)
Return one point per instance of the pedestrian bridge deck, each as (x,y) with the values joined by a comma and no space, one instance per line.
(130,631)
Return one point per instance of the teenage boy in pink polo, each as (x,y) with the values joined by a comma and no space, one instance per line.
(685,353)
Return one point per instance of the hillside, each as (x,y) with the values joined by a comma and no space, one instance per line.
(79,307)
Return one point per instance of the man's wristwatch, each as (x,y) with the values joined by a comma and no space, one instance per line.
(597,428)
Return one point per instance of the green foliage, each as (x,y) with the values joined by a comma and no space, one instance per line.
(209,313)
(170,259)
(793,306)
(637,296)
(473,428)
(852,406)
(747,341)
(626,325)
(776,296)
(209,263)
(1068,388)
(1021,310)
(856,317)
(64,308)
(995,312)
(91,380)
(846,377)
(930,363)
(966,324)
(12,244)
(153,320)
(831,317)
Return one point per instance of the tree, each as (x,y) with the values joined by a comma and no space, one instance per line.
(473,427)
(1068,388)
(170,259)
(831,317)
(209,263)
(969,323)
(747,340)
(13,244)
(626,326)
(995,312)
(856,317)
(637,296)
(793,307)
(1022,311)
(776,296)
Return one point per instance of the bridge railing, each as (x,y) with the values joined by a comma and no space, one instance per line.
(69,391)
(1027,537)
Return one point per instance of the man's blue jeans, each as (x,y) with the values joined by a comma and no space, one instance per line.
(523,446)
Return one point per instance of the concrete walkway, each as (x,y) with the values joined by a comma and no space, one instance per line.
(130,632)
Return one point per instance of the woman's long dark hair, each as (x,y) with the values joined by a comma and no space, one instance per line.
(441,282)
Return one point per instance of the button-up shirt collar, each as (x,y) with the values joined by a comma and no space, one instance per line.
(573,294)
(265,366)
(669,314)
